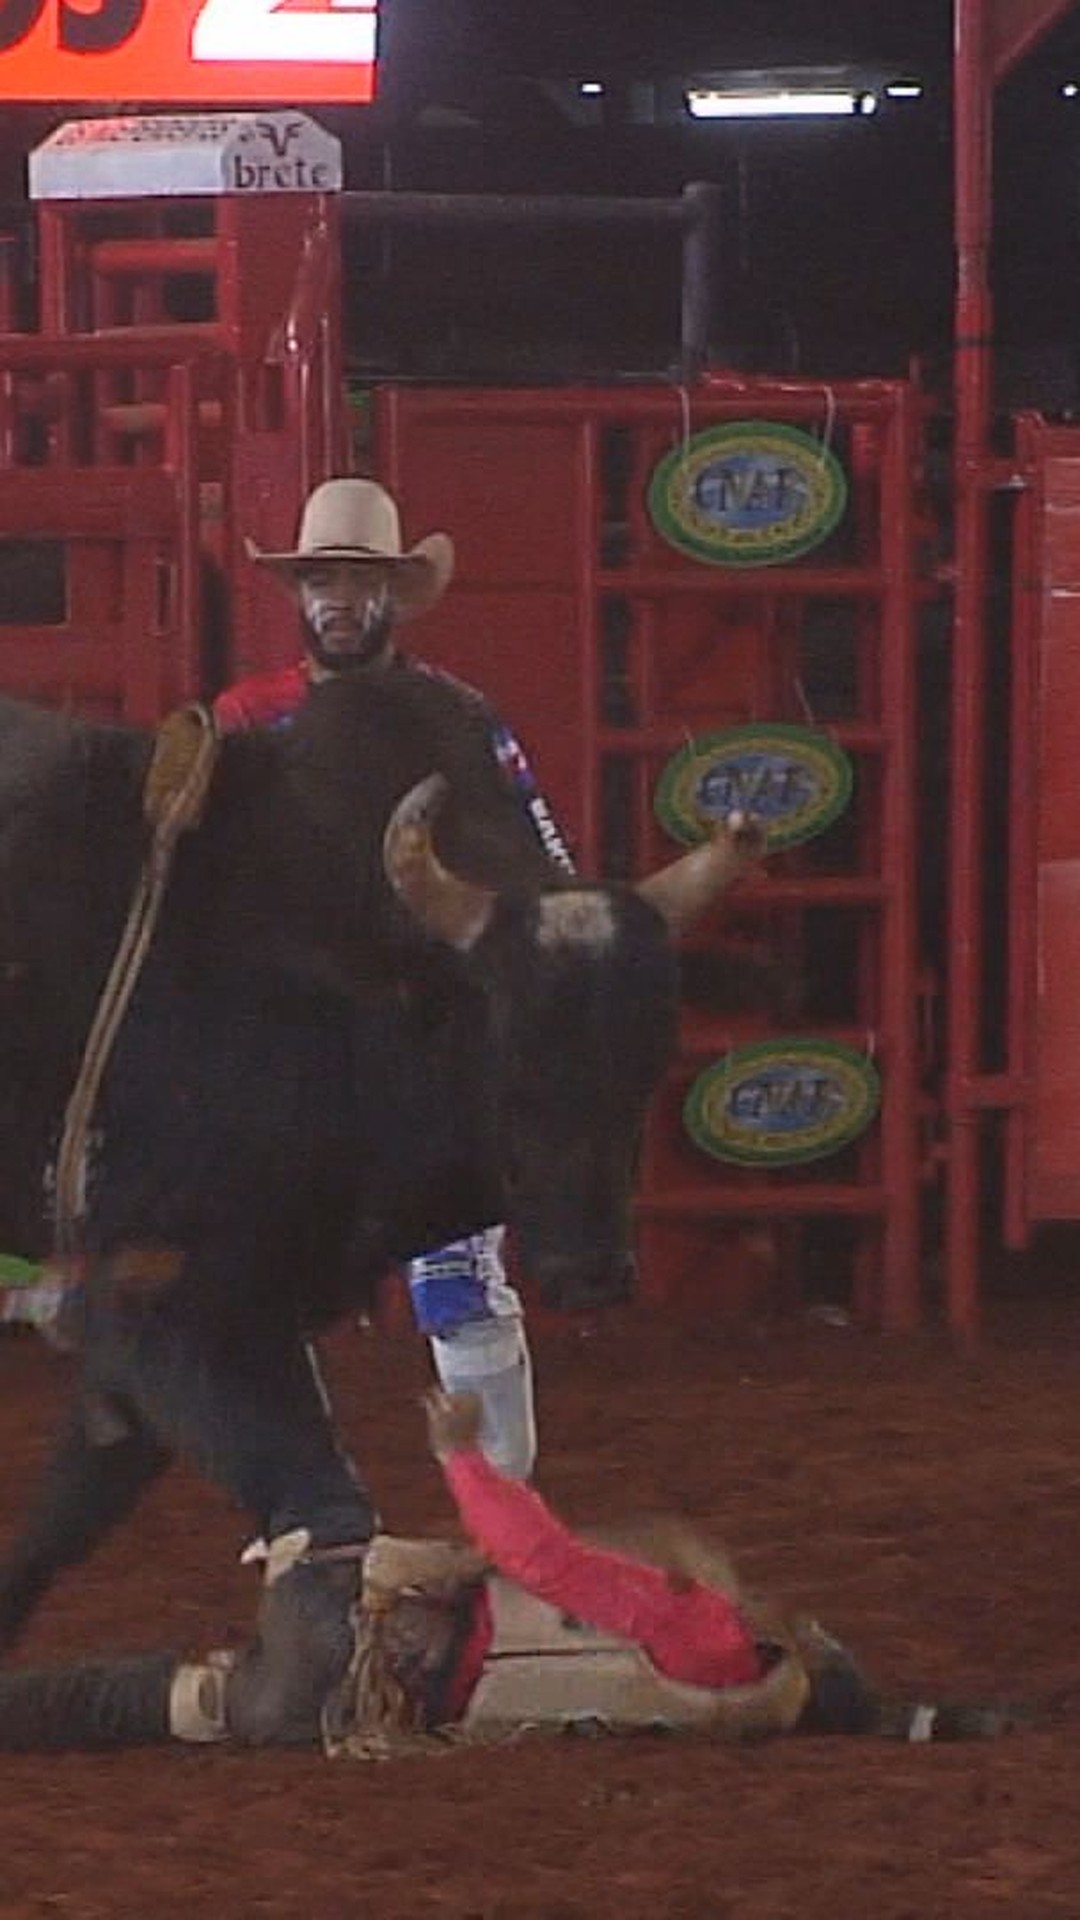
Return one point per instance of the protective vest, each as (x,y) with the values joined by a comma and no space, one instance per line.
(543,1669)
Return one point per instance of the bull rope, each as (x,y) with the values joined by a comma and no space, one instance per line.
(174,794)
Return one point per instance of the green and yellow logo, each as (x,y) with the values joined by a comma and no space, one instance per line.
(781,1103)
(795,781)
(752,493)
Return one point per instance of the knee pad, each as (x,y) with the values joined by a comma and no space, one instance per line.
(491,1359)
(197,1699)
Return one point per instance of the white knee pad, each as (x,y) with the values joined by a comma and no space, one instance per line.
(197,1700)
(491,1358)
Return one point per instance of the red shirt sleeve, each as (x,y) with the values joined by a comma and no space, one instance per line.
(262,699)
(693,1634)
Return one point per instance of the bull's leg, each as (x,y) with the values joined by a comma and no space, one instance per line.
(88,1488)
(274,1693)
(253,1415)
(250,1411)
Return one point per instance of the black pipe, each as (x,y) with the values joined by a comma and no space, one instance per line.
(697,213)
(702,207)
(492,211)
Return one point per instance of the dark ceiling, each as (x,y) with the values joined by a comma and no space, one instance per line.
(561,36)
(433,47)
(839,249)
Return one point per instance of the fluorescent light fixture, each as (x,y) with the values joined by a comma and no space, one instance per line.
(904,90)
(592,87)
(717,103)
(1070,90)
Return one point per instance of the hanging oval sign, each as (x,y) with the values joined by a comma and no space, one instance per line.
(782,1102)
(752,493)
(795,781)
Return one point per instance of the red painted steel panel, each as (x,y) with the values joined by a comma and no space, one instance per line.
(1055,1165)
(607,648)
(504,490)
(1048,1006)
(522,648)
(512,495)
(1059,728)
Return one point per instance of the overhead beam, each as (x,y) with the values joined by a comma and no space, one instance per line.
(1016,26)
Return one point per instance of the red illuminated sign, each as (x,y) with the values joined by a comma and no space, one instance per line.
(188,52)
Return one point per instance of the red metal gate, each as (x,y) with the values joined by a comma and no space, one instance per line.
(1041,1091)
(102,567)
(248,289)
(181,395)
(607,649)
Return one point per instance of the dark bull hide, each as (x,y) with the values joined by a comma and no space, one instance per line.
(339,1053)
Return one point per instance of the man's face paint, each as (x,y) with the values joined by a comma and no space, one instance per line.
(348,614)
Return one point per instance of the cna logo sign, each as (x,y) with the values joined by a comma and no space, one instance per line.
(190,51)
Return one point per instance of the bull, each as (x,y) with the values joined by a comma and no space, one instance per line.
(373,1017)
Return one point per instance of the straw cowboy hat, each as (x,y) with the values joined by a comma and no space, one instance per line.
(358,521)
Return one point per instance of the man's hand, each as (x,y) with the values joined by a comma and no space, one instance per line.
(453,1421)
(749,836)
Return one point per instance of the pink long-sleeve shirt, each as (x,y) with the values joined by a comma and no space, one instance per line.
(690,1632)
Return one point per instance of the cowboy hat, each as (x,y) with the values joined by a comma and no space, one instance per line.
(357,521)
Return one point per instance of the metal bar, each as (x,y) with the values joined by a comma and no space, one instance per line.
(705,1038)
(900,1278)
(806,584)
(696,214)
(831,890)
(56,273)
(92,503)
(185,661)
(167,254)
(668,735)
(703,205)
(995,1092)
(122,347)
(717,397)
(730,1201)
(587,540)
(496,212)
(966,928)
(1023,849)
(1016,27)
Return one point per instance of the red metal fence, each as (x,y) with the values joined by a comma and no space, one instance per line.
(183,392)
(608,649)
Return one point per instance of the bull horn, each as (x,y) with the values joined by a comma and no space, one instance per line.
(683,889)
(452,909)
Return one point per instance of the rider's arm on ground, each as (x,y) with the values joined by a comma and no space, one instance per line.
(691,1633)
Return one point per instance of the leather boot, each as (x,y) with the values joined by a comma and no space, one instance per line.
(278,1688)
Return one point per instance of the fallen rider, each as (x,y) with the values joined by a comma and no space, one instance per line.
(530,1628)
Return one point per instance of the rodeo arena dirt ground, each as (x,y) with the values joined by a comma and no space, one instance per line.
(922,1501)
